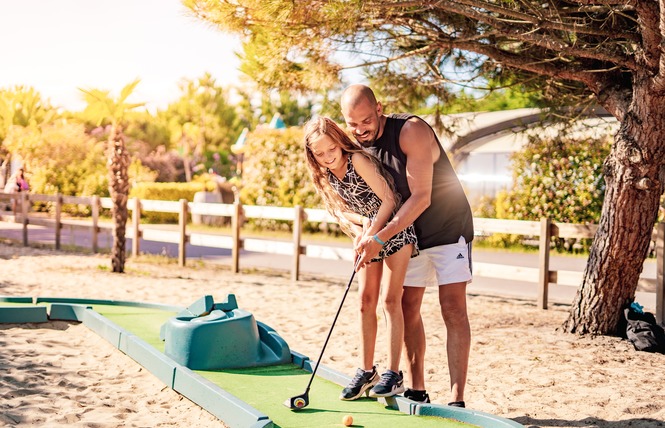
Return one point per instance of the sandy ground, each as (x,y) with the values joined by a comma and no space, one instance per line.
(521,367)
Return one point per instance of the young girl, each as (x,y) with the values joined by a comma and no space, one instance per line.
(355,189)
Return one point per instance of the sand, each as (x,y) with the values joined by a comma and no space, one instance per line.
(521,367)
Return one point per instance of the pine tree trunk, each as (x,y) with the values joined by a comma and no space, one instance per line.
(118,162)
(635,177)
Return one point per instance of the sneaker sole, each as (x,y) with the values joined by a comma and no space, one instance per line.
(367,388)
(395,391)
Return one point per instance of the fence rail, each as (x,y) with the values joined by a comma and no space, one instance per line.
(544,229)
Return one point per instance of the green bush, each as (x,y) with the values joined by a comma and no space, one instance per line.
(60,158)
(560,178)
(167,192)
(275,173)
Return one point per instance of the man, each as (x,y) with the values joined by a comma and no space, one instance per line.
(434,201)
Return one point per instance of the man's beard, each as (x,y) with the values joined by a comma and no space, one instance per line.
(370,141)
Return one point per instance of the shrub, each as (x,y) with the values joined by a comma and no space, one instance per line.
(167,192)
(275,172)
(559,177)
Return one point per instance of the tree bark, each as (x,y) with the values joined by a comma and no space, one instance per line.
(118,162)
(635,177)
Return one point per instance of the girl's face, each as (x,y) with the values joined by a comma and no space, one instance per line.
(328,153)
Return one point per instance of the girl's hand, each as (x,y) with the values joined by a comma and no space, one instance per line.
(368,249)
(366,222)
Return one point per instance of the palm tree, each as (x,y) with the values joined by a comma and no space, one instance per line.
(113,112)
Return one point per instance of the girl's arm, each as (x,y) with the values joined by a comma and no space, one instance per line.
(356,219)
(356,224)
(367,170)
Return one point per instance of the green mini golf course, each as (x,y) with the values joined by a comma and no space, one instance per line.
(244,396)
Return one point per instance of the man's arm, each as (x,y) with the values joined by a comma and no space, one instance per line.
(418,143)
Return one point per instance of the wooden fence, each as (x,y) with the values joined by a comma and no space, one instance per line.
(545,229)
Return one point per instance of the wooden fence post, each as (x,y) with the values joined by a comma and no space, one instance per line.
(182,222)
(544,261)
(95,223)
(297,236)
(136,232)
(58,220)
(235,230)
(24,213)
(660,274)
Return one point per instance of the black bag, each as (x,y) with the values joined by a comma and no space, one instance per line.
(644,332)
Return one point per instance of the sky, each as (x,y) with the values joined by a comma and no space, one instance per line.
(58,46)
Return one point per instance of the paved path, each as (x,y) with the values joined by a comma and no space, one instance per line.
(558,294)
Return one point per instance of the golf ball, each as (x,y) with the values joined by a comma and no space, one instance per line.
(347,420)
(299,403)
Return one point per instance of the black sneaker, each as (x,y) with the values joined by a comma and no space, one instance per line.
(362,382)
(391,383)
(417,395)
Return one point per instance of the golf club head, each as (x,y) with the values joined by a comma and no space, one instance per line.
(298,402)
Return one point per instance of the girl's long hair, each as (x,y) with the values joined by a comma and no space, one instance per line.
(333,202)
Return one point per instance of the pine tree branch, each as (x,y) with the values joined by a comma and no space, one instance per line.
(557,48)
(469,9)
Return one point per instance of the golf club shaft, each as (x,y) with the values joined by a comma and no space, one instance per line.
(348,286)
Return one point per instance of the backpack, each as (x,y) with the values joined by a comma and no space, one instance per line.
(643,331)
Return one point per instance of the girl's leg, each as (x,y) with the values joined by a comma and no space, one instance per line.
(391,297)
(368,292)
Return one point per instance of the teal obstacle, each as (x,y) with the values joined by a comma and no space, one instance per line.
(213,336)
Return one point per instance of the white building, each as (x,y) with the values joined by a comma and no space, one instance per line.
(480,144)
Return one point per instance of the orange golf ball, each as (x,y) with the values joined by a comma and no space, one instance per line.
(347,420)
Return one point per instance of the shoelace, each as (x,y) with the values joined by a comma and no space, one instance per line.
(358,379)
(387,377)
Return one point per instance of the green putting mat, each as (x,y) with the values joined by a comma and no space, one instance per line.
(266,388)
(143,322)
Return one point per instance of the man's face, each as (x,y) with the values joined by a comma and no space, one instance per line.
(364,122)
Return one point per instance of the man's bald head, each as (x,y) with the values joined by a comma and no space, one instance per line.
(357,94)
(362,113)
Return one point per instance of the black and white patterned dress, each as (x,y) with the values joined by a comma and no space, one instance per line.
(362,200)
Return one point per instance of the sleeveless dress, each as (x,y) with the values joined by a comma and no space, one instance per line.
(362,200)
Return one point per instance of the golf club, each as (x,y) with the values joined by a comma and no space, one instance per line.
(302,400)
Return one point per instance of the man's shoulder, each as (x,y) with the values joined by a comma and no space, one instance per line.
(415,125)
(415,134)
(402,117)
(408,119)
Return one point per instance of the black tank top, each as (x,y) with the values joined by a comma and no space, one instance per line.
(449,215)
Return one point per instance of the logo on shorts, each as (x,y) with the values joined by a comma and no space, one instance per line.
(460,256)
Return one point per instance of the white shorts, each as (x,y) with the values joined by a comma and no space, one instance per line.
(445,264)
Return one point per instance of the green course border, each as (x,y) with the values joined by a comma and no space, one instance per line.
(214,399)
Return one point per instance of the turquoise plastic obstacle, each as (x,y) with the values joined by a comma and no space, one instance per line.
(211,336)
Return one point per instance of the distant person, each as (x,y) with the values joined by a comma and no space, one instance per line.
(21,181)
(354,189)
(17,183)
(435,203)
